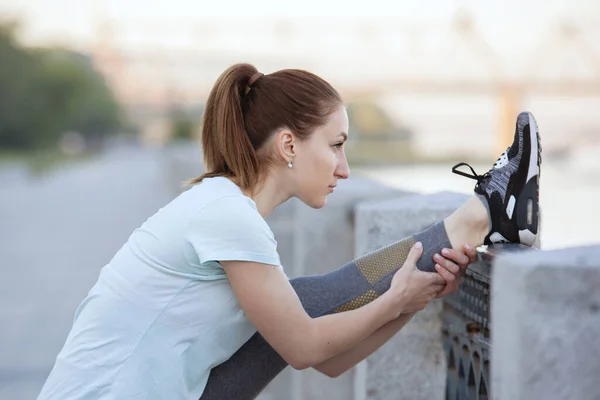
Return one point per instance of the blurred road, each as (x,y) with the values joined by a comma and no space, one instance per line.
(55,235)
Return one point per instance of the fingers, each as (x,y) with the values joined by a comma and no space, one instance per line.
(439,288)
(471,253)
(432,291)
(446,275)
(437,279)
(415,253)
(447,264)
(457,256)
(449,288)
(461,258)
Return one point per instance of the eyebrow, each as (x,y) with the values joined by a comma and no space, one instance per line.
(344,135)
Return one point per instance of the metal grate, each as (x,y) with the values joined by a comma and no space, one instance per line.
(466,329)
(466,324)
(468,357)
(472,300)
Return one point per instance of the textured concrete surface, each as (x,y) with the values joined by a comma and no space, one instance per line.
(412,364)
(546,325)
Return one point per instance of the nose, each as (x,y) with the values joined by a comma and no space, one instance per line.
(343,170)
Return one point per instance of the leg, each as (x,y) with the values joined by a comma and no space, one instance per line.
(505,209)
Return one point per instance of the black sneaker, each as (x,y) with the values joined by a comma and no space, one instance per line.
(511,187)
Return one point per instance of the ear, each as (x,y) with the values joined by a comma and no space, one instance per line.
(286,144)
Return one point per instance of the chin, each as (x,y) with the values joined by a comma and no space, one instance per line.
(316,203)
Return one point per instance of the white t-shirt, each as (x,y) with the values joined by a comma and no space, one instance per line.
(162,313)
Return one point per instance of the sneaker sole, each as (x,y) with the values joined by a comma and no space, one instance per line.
(528,204)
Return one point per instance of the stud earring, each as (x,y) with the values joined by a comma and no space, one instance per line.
(290,164)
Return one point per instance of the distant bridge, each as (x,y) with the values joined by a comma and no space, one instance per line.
(149,82)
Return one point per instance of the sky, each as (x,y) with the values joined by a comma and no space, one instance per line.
(514,29)
(74,20)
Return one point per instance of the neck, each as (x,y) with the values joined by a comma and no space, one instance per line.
(268,195)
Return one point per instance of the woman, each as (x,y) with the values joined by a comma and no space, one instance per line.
(198,289)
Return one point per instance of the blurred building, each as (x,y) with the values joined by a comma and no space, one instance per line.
(445,80)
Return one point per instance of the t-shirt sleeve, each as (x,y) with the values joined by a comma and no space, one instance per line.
(231,229)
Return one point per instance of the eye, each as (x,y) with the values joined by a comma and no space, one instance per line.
(338,145)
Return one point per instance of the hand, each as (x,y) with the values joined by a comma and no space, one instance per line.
(413,288)
(451,265)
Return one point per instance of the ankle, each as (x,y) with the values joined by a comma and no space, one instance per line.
(469,224)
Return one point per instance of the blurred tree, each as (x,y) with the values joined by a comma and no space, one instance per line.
(185,122)
(47,92)
(18,69)
(182,127)
(79,94)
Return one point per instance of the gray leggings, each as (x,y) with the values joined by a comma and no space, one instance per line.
(256,363)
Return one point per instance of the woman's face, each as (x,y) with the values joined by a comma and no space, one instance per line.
(320,160)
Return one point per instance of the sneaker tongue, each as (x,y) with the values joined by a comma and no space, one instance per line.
(483,182)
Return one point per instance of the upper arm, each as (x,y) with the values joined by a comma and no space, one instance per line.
(272,306)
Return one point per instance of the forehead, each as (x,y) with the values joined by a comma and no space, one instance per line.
(337,122)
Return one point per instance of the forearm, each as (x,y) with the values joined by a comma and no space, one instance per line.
(341,363)
(335,334)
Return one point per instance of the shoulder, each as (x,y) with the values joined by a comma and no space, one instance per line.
(218,193)
(224,209)
(234,213)
(230,228)
(235,209)
(211,189)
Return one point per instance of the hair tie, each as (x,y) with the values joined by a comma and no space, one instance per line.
(253,80)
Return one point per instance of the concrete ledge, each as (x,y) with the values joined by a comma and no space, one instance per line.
(546,325)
